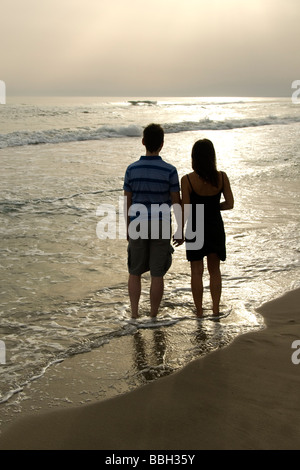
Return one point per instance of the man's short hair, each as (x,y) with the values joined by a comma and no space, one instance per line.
(153,137)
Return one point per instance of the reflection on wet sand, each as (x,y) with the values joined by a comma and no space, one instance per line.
(150,357)
(159,352)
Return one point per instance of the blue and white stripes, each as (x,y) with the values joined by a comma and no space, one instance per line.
(151,180)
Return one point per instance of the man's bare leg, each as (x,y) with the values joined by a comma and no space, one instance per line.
(134,290)
(156,293)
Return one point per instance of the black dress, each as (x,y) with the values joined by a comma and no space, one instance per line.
(214,233)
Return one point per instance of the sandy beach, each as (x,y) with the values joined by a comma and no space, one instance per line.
(244,396)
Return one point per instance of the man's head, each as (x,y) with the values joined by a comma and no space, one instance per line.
(153,138)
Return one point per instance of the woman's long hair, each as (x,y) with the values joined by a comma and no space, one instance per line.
(204,161)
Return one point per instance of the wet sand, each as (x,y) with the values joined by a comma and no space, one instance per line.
(244,396)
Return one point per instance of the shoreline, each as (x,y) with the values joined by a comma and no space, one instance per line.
(243,396)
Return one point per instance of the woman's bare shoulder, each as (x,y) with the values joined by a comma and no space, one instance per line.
(186,176)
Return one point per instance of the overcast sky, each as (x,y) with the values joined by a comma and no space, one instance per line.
(150,47)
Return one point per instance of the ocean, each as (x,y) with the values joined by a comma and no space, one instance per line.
(64,290)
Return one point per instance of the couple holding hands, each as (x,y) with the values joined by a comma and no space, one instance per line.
(152,182)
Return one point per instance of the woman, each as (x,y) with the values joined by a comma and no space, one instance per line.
(205,186)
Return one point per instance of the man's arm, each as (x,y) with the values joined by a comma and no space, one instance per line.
(177,209)
(127,204)
(175,197)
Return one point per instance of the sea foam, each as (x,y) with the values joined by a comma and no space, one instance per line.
(55,136)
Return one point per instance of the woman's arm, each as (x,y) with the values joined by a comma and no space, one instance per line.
(186,199)
(227,193)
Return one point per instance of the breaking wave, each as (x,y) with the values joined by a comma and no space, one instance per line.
(208,124)
(55,136)
(142,102)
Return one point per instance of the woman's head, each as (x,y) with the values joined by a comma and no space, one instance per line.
(204,161)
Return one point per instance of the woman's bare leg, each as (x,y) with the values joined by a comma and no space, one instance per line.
(197,285)
(213,265)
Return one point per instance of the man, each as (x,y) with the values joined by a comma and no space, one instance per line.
(151,186)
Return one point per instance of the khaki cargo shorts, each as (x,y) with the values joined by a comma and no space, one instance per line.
(154,255)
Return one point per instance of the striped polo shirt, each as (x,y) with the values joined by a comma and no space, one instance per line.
(150,180)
